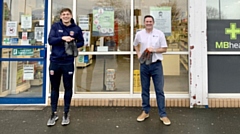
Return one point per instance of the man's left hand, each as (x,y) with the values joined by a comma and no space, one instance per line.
(150,49)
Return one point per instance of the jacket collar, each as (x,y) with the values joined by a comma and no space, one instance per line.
(72,23)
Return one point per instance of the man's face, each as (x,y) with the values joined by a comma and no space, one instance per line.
(148,23)
(66,17)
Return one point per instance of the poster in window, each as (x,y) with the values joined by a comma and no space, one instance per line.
(26,21)
(28,72)
(83,22)
(11,28)
(103,21)
(39,33)
(86,37)
(162,17)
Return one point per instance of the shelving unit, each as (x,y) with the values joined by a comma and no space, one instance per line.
(184,61)
(183,43)
(82,63)
(4,90)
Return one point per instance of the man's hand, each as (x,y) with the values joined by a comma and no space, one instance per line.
(139,55)
(67,38)
(150,49)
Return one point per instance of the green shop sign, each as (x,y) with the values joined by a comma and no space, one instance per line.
(22,52)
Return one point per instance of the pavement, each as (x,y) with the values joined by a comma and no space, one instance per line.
(120,120)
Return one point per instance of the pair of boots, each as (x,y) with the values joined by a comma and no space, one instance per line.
(71,48)
(146,57)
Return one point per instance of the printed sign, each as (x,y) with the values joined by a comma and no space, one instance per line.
(223,35)
(22,52)
(103,21)
(83,22)
(11,28)
(26,21)
(39,33)
(162,17)
(28,72)
(86,37)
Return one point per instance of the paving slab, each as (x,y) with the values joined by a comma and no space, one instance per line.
(122,120)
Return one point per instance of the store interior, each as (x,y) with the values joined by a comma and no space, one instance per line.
(97,74)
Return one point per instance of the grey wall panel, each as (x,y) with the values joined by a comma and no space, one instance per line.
(224,74)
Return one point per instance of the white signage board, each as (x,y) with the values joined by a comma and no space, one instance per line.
(28,72)
(11,28)
(26,21)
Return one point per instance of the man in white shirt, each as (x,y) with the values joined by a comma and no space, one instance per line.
(153,41)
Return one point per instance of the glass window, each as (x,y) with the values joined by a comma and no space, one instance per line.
(109,19)
(23,22)
(175,73)
(223,35)
(223,9)
(171,18)
(103,73)
(21,79)
(57,5)
(106,27)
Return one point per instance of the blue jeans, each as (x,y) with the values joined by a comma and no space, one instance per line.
(56,71)
(155,71)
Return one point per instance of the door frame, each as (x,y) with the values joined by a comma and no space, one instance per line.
(27,100)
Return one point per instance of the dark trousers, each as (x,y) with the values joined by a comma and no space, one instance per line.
(56,71)
(155,71)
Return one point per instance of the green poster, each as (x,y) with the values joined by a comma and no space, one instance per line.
(103,21)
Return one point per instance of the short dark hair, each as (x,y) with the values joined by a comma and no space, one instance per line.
(66,10)
(148,16)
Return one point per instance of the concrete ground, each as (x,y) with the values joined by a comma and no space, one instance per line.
(119,120)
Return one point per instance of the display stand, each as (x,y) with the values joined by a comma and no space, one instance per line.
(81,63)
(4,71)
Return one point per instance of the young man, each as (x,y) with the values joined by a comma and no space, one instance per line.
(153,41)
(62,64)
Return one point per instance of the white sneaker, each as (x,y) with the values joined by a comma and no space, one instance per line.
(65,120)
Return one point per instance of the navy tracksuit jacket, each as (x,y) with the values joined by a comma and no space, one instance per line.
(61,64)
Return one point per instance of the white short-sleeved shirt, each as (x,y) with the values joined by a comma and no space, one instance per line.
(155,39)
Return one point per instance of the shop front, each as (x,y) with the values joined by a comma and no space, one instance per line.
(22,52)
(223,28)
(107,68)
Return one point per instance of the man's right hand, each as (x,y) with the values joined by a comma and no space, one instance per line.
(139,55)
(67,38)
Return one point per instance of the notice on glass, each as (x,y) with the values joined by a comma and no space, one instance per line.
(11,28)
(162,17)
(28,72)
(103,21)
(25,40)
(39,33)
(86,37)
(83,22)
(26,21)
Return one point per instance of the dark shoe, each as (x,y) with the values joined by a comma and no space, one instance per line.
(52,120)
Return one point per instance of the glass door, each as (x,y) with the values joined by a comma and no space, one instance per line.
(22,51)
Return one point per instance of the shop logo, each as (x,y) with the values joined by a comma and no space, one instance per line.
(233,31)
